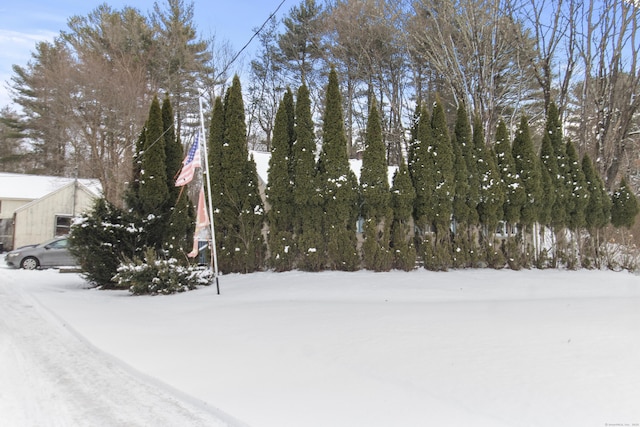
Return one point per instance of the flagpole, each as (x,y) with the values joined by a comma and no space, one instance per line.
(214,253)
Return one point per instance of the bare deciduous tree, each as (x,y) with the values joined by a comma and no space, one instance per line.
(478,50)
(606,101)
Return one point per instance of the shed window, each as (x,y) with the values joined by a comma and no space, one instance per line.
(63,225)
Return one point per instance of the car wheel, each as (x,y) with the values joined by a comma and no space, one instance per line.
(29,263)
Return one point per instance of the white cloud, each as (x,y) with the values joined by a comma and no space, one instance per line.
(16,48)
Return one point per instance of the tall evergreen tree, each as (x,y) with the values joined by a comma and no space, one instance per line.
(402,201)
(579,197)
(442,155)
(241,210)
(548,181)
(529,170)
(216,178)
(279,190)
(338,185)
(462,249)
(492,196)
(153,174)
(597,212)
(561,181)
(464,139)
(216,143)
(422,172)
(301,44)
(437,249)
(308,209)
(375,196)
(132,193)
(414,135)
(514,191)
(527,167)
(153,190)
(624,206)
(252,219)
(185,59)
(514,195)
(173,150)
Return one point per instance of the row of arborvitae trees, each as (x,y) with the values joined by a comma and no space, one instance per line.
(443,209)
(458,202)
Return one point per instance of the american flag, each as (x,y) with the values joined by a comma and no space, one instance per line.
(190,163)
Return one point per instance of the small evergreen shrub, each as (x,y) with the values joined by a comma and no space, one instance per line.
(156,276)
(101,238)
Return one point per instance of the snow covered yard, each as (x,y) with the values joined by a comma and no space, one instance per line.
(462,348)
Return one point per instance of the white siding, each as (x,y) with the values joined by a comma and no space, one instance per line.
(35,222)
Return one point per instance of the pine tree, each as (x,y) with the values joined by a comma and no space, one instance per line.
(624,206)
(279,190)
(338,185)
(402,200)
(375,196)
(241,210)
(308,209)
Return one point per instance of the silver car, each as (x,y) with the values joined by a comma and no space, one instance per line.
(53,253)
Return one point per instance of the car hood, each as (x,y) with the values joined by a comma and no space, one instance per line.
(25,247)
(21,248)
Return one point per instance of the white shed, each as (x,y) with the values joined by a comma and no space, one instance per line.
(35,208)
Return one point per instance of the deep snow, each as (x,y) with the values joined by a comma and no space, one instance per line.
(462,348)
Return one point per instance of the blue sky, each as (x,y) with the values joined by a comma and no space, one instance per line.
(25,23)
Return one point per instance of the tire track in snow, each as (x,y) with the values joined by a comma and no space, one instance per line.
(50,377)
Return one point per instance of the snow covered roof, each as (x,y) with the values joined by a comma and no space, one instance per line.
(30,187)
(262,166)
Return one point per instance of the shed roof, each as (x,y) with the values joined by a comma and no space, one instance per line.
(30,187)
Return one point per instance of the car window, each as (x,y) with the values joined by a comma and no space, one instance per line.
(58,244)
